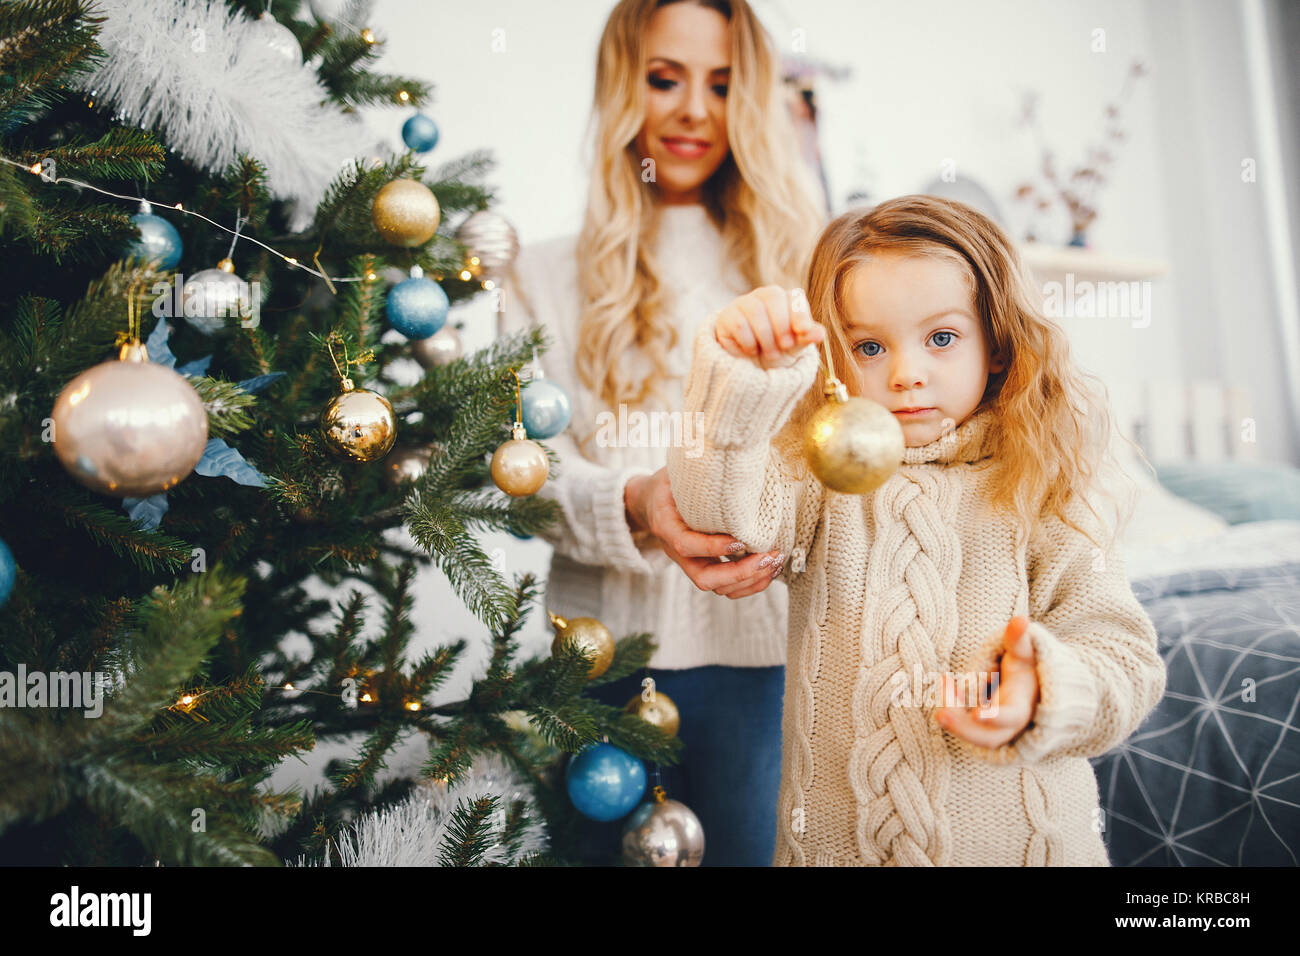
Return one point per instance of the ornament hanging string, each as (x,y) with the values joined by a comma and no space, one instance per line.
(366,356)
(519,402)
(833,386)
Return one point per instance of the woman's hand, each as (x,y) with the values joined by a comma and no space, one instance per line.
(650,506)
(768,325)
(1017,695)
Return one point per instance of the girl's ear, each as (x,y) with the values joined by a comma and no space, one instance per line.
(996,364)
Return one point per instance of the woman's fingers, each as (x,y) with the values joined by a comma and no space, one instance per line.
(709,574)
(762,576)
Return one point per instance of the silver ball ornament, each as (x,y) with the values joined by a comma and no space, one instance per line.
(214,299)
(441,348)
(663,832)
(489,238)
(276,39)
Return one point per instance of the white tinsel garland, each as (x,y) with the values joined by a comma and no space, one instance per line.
(414,832)
(196,72)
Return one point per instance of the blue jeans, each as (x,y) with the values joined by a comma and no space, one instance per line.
(730,769)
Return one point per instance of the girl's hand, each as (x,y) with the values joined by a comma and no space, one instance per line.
(650,505)
(1017,695)
(767,325)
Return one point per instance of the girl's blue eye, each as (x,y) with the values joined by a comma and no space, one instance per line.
(721,89)
(937,334)
(864,345)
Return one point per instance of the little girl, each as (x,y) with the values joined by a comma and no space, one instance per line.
(981,556)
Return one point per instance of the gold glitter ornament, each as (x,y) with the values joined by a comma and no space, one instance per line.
(589,635)
(852,444)
(405,213)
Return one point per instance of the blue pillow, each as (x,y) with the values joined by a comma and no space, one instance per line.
(1240,491)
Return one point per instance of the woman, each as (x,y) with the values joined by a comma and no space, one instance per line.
(697,196)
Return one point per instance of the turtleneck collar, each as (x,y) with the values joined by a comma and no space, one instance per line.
(973,440)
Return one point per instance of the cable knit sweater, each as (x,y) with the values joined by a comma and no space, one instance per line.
(599,567)
(886,591)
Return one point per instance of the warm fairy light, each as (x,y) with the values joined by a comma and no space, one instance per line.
(366,697)
(187,700)
(371,277)
(404,96)
(413,705)
(473,260)
(291,260)
(368,35)
(179,206)
(464,275)
(34,169)
(489,285)
(288,686)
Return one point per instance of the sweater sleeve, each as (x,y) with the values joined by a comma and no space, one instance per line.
(1099,667)
(592,527)
(730,481)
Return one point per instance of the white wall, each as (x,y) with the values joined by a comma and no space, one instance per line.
(931,81)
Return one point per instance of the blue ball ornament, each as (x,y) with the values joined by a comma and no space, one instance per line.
(8,571)
(420,133)
(417,307)
(546,409)
(604,782)
(158,239)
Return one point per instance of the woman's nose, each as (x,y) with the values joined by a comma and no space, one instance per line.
(694,106)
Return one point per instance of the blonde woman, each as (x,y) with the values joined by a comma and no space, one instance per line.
(697,194)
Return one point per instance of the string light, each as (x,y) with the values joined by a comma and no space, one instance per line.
(187,702)
(404,96)
(368,35)
(36,170)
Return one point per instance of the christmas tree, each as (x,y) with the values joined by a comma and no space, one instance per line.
(175,586)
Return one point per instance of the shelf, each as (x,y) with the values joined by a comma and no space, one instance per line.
(1047,260)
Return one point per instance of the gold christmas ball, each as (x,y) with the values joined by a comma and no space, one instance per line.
(592,637)
(658,710)
(405,212)
(519,466)
(359,424)
(129,427)
(853,445)
(441,348)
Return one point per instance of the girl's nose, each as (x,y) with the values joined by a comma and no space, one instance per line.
(906,374)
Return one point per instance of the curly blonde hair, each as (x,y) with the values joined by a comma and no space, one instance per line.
(1054,427)
(760,198)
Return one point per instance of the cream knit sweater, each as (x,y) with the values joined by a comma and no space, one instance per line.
(598,567)
(886,591)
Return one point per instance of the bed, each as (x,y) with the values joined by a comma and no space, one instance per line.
(1212,777)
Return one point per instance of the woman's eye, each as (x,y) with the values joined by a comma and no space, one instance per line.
(867,345)
(942,344)
(662,82)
